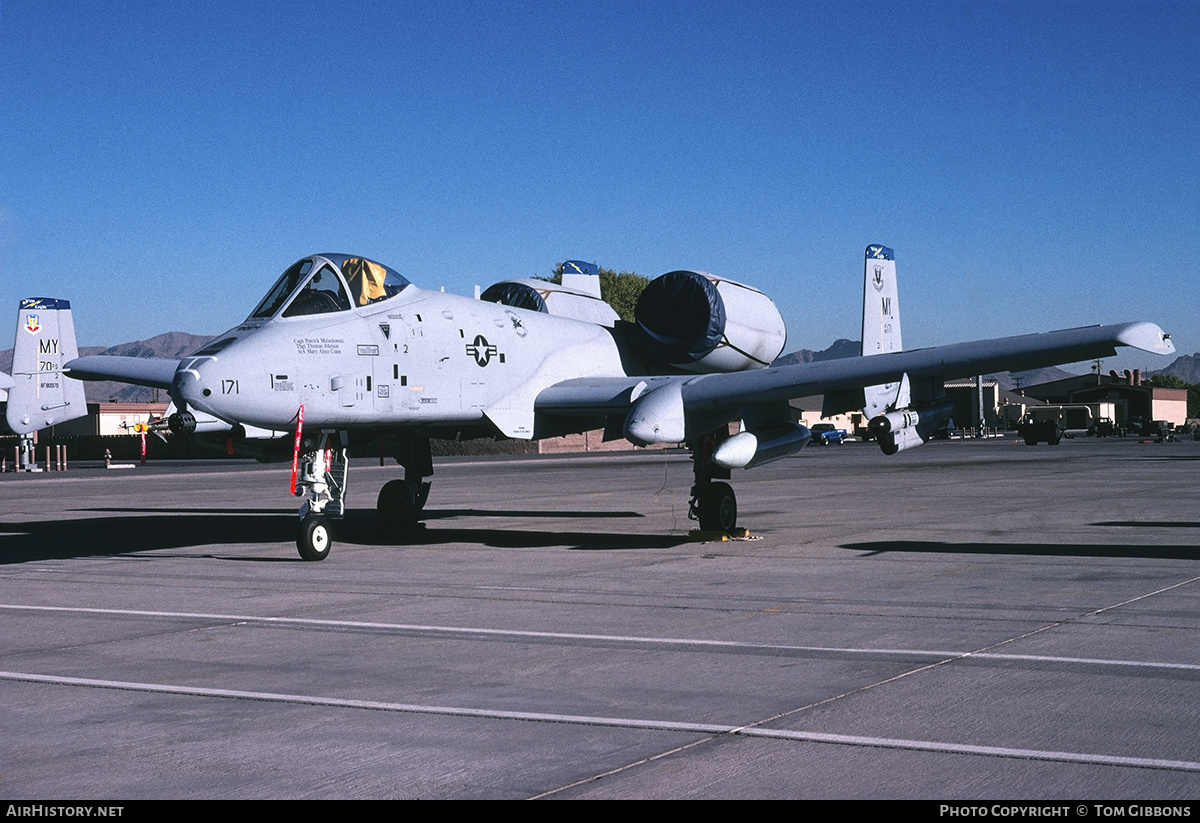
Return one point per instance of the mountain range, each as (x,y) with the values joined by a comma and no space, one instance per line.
(1186,368)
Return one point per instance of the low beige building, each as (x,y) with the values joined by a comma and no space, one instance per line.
(120,418)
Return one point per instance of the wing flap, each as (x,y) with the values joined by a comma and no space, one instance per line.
(593,395)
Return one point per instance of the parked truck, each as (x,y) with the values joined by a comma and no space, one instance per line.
(825,433)
(1043,425)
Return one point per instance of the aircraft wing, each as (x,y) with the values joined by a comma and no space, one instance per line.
(6,381)
(1030,351)
(712,396)
(140,371)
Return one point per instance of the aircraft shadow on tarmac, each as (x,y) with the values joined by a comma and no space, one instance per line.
(127,531)
(1151,524)
(1130,550)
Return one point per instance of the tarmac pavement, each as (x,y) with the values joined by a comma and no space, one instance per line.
(968,620)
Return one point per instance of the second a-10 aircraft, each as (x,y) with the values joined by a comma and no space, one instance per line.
(343,352)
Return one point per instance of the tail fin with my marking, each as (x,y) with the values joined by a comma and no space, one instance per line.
(41,394)
(881,325)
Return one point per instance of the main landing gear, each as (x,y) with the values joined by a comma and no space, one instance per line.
(713,504)
(401,501)
(322,469)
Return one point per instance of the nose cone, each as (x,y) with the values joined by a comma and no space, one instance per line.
(228,380)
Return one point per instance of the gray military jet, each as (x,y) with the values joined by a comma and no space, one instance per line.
(343,351)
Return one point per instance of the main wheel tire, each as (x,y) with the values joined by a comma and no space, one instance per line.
(1031,441)
(396,509)
(718,508)
(315,539)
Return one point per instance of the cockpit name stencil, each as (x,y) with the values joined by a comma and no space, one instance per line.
(318,345)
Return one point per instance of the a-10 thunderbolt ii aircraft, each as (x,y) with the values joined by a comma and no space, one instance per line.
(344,353)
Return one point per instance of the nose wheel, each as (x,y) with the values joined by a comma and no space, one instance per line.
(315,539)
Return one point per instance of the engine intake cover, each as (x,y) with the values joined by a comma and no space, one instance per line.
(703,323)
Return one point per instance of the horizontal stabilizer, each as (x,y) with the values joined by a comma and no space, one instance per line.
(157,373)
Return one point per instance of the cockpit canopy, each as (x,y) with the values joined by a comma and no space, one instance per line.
(327,283)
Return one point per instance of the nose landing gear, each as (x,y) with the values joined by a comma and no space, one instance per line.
(321,479)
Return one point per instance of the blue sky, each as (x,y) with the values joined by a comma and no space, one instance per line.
(1035,165)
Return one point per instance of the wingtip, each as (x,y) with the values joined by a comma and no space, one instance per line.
(1147,337)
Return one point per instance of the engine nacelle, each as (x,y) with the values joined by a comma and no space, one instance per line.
(550,298)
(908,428)
(748,449)
(703,323)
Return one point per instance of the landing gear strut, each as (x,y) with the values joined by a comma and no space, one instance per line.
(401,501)
(713,503)
(321,480)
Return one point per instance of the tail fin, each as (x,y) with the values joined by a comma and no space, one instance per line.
(577,274)
(41,394)
(881,323)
